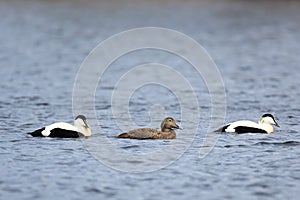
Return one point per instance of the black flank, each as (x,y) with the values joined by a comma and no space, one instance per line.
(62,133)
(245,129)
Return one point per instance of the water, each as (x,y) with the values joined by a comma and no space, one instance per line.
(256,47)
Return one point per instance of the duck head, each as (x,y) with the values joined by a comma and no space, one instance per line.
(81,124)
(268,119)
(169,124)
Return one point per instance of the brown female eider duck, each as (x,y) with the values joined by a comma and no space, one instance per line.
(167,131)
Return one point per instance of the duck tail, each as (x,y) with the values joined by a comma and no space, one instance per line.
(37,133)
(123,135)
(221,129)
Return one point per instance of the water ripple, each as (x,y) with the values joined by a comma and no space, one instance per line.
(131,147)
(286,143)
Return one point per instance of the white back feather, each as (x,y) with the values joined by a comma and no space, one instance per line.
(61,125)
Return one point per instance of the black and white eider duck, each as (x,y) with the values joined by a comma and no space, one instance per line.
(167,131)
(65,130)
(264,125)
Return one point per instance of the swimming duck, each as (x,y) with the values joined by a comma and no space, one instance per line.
(167,131)
(264,125)
(65,130)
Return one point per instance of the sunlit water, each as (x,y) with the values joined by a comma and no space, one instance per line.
(256,47)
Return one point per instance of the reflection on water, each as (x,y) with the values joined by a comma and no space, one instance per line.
(255,46)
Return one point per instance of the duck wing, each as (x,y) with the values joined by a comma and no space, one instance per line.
(57,130)
(245,127)
(57,133)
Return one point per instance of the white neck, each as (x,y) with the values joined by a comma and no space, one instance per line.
(80,125)
(85,131)
(267,127)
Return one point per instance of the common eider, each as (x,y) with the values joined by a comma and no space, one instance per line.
(264,125)
(167,131)
(65,130)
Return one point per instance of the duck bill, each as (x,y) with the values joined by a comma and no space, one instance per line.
(86,124)
(276,124)
(178,127)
